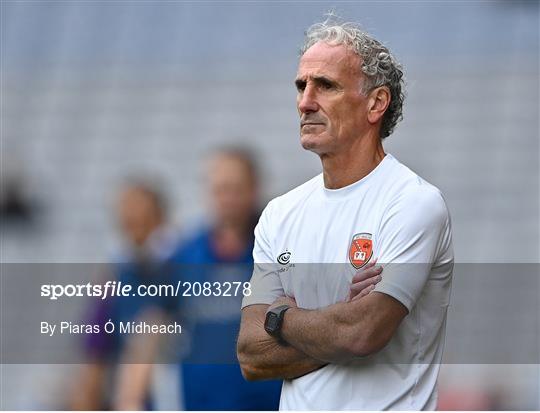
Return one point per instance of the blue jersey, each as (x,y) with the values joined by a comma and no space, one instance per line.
(210,372)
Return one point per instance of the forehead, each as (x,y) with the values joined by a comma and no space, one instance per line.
(332,60)
(224,166)
(136,194)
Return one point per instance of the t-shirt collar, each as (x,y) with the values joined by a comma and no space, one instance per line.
(341,193)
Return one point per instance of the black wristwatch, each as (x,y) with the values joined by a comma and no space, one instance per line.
(274,321)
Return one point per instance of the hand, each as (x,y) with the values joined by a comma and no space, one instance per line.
(364,280)
(291,302)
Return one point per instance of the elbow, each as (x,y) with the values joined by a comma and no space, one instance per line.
(363,343)
(249,370)
(355,349)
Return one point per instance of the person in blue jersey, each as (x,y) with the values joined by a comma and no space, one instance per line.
(221,251)
(120,369)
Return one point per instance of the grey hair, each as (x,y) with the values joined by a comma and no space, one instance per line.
(378,65)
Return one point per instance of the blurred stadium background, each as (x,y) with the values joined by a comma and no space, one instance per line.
(95,91)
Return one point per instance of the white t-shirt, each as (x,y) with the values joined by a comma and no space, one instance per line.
(391,214)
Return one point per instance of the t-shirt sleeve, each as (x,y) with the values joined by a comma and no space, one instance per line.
(266,285)
(413,234)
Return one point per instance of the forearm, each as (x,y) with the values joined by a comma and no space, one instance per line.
(270,360)
(263,357)
(132,386)
(134,374)
(324,334)
(344,331)
(87,393)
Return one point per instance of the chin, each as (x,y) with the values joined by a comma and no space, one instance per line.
(308,139)
(311,143)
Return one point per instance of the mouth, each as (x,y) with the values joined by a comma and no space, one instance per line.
(310,124)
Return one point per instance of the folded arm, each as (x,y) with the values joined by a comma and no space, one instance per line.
(261,356)
(344,331)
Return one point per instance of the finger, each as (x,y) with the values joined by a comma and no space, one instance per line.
(365,292)
(364,275)
(370,264)
(359,286)
(353,292)
(367,273)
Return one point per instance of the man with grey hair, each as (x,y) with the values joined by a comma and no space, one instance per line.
(337,349)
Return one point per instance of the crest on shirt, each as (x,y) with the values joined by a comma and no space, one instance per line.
(361,249)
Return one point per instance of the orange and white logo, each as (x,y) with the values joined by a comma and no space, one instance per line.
(361,250)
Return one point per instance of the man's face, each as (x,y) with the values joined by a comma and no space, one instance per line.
(233,194)
(138,215)
(330,102)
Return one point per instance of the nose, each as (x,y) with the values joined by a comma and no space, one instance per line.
(307,100)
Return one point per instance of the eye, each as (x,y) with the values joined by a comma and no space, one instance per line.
(300,85)
(326,85)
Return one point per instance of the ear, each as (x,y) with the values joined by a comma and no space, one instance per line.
(378,101)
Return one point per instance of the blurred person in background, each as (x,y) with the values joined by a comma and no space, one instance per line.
(120,368)
(211,377)
(17,200)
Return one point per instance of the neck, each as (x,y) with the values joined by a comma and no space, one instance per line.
(353,163)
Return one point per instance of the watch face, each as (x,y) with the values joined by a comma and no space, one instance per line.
(272,322)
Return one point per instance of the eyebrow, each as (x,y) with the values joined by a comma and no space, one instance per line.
(319,80)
